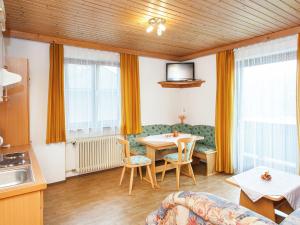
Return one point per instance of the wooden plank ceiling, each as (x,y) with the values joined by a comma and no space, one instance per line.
(192,25)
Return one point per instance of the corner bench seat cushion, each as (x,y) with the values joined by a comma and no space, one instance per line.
(138,160)
(201,148)
(205,209)
(173,156)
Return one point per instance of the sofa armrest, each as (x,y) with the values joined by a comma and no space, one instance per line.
(292,219)
(203,208)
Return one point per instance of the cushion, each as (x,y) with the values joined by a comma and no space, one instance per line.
(138,150)
(173,156)
(156,129)
(131,138)
(208,132)
(183,128)
(148,130)
(138,160)
(199,147)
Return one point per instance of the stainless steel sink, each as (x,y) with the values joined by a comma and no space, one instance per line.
(15,176)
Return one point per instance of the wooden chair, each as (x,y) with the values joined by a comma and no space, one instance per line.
(183,157)
(133,162)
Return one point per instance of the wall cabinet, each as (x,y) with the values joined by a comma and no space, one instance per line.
(14,114)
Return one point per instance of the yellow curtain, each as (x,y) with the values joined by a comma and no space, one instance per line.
(298,95)
(224,111)
(130,91)
(56,131)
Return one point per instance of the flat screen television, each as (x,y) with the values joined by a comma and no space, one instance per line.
(180,71)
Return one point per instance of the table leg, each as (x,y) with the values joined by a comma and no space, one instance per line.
(283,209)
(284,206)
(151,155)
(263,206)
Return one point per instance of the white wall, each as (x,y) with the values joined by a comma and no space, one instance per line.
(199,103)
(51,157)
(158,105)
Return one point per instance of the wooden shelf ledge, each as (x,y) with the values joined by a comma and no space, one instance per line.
(181,84)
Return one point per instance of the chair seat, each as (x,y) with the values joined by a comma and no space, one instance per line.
(173,157)
(138,160)
(199,147)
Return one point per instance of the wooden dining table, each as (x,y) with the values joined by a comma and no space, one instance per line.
(155,146)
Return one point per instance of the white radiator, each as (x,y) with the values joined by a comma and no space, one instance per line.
(99,153)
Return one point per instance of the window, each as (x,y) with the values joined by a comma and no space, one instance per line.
(92,97)
(265,106)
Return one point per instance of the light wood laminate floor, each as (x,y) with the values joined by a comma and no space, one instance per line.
(98,199)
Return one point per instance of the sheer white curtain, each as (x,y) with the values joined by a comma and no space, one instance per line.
(92,92)
(265,106)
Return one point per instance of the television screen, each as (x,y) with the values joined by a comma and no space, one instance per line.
(180,71)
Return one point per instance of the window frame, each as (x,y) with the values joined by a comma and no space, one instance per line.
(95,65)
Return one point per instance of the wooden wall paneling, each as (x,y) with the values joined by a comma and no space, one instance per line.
(14,114)
(83,26)
(125,13)
(32,16)
(278,8)
(182,17)
(267,37)
(208,14)
(256,13)
(89,32)
(192,26)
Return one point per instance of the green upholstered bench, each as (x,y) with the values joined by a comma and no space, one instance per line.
(204,149)
(183,128)
(138,149)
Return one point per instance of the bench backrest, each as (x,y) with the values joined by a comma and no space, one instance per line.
(208,132)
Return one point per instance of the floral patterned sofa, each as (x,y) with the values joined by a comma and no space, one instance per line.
(204,149)
(192,208)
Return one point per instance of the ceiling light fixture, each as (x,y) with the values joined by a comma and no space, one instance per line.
(158,23)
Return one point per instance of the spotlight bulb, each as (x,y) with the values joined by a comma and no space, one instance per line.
(150,29)
(162,27)
(159,32)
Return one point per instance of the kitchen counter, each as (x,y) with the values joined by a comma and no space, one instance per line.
(39,182)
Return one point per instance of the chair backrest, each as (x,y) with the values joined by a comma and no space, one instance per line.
(125,145)
(185,149)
